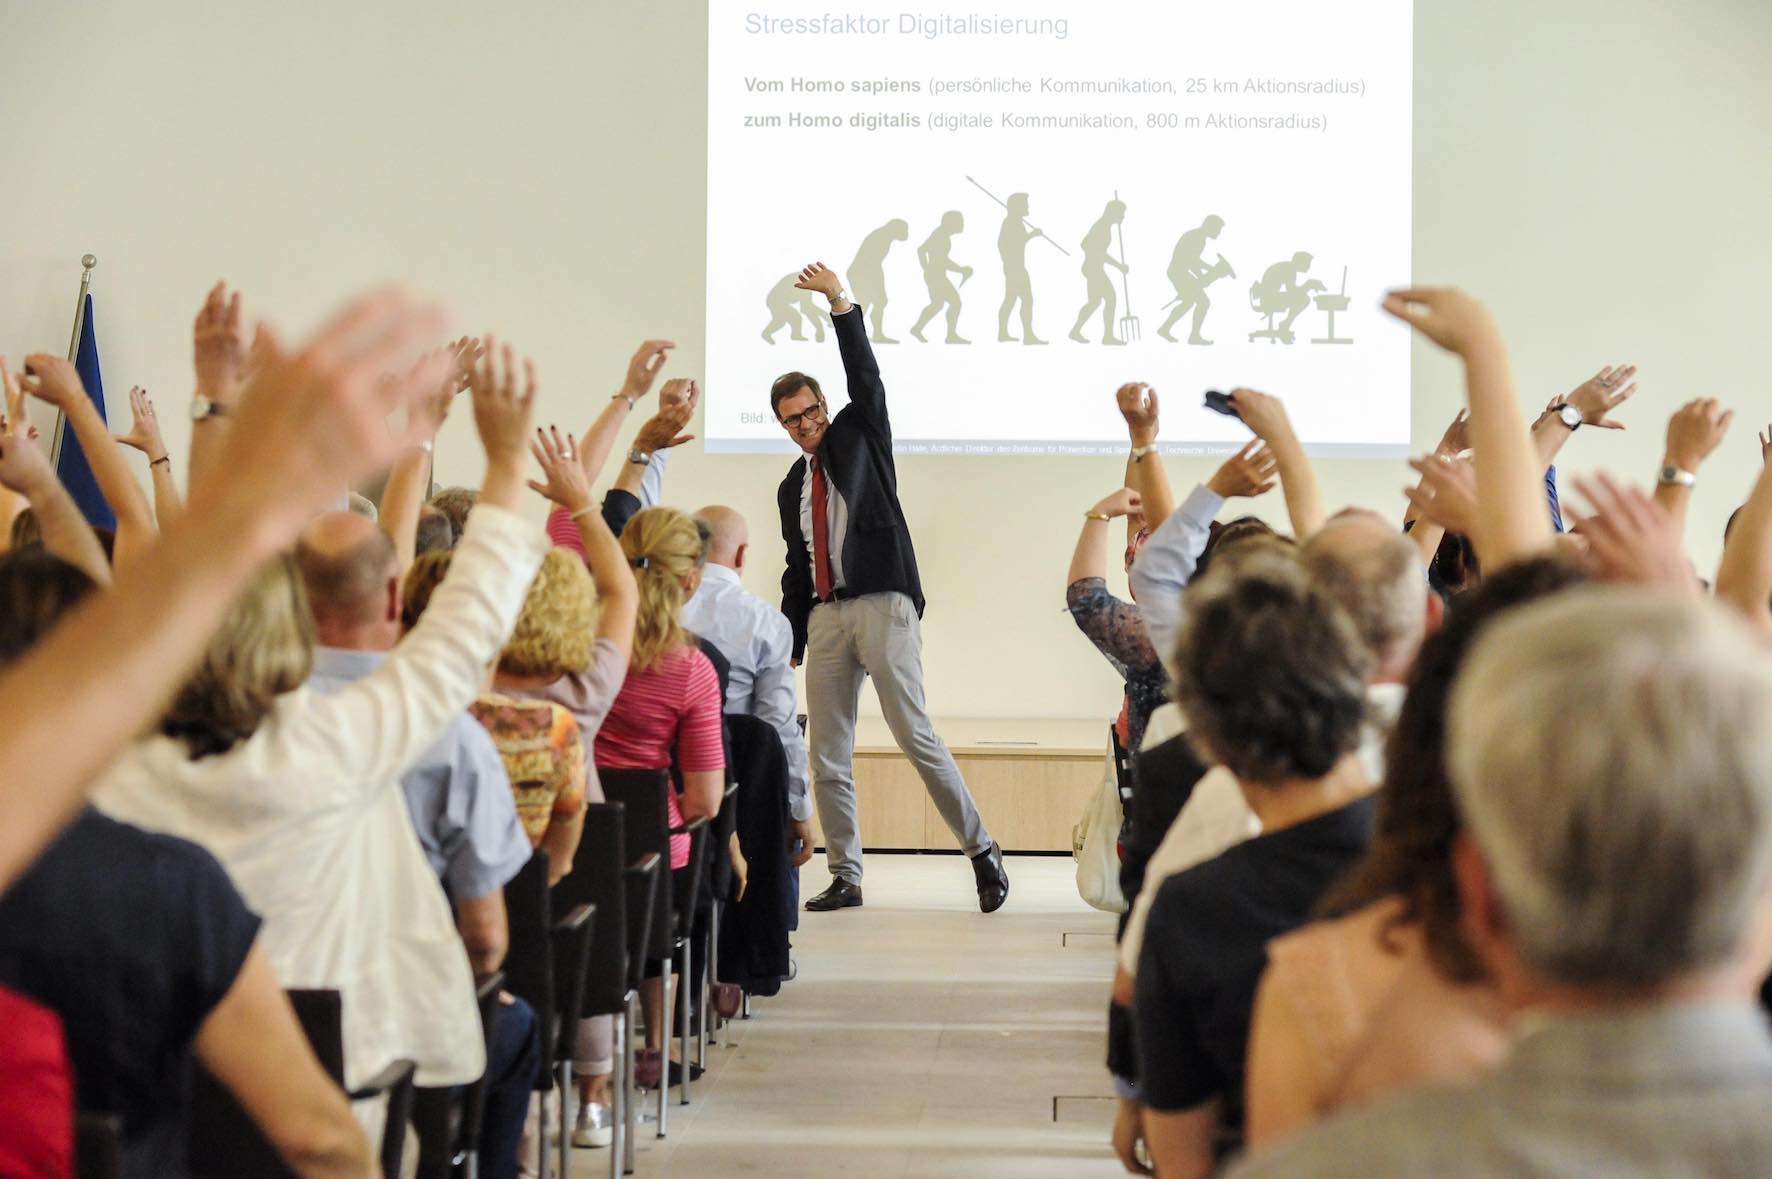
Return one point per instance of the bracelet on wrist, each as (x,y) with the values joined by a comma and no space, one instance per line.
(165,458)
(1102,516)
(584,511)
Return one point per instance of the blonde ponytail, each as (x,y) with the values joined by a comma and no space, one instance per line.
(663,546)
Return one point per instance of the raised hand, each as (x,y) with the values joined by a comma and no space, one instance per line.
(218,345)
(1457,439)
(662,430)
(502,411)
(17,417)
(1695,430)
(1602,393)
(1263,413)
(821,278)
(679,393)
(1249,472)
(313,420)
(465,353)
(144,427)
(1632,538)
(1137,403)
(643,368)
(1766,445)
(564,479)
(53,379)
(1124,502)
(1446,315)
(23,467)
(1447,494)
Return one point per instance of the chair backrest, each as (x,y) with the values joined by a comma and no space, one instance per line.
(597,879)
(529,956)
(642,896)
(98,1146)
(646,828)
(572,938)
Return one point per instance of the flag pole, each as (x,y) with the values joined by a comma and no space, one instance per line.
(87,262)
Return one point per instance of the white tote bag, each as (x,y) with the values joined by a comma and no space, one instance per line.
(1095,844)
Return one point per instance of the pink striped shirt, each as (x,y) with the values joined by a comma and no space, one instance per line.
(675,701)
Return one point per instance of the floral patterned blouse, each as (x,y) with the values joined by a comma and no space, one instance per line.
(1117,629)
(543,755)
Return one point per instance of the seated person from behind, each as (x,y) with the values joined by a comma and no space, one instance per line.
(142,946)
(1272,675)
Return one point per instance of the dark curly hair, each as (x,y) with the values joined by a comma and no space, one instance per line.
(1411,853)
(1269,670)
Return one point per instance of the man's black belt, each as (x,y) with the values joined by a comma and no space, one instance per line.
(839,594)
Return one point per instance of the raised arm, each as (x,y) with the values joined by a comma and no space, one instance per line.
(566,483)
(1513,524)
(409,482)
(144,435)
(1593,399)
(309,422)
(659,433)
(1137,403)
(599,437)
(1266,416)
(1693,433)
(218,354)
(867,392)
(55,380)
(1744,579)
(25,471)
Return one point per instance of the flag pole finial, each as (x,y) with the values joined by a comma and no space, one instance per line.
(88,261)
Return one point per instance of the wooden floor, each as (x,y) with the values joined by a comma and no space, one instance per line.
(921,1040)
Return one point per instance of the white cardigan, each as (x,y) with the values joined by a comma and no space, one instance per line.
(308,817)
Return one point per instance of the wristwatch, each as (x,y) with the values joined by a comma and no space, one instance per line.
(202,408)
(1677,476)
(1570,416)
(1138,452)
(639,457)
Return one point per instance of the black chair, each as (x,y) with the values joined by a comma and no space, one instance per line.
(641,879)
(224,1143)
(686,893)
(598,879)
(98,1146)
(448,1133)
(646,829)
(719,882)
(544,967)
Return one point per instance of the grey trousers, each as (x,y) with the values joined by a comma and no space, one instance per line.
(877,635)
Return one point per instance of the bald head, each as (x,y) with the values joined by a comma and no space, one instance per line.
(729,535)
(347,565)
(1375,574)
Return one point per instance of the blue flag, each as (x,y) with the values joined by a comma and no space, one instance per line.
(71,464)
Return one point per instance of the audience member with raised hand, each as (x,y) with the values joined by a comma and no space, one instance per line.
(219,358)
(1514,524)
(1115,627)
(1384,994)
(1694,432)
(1272,675)
(587,690)
(1612,881)
(1744,577)
(152,960)
(297,792)
(25,472)
(55,380)
(409,481)
(1145,474)
(309,422)
(640,480)
(144,435)
(1265,415)
(1630,537)
(1588,404)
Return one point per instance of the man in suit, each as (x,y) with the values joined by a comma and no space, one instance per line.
(852,596)
(1610,756)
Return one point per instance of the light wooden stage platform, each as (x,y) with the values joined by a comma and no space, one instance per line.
(1031,780)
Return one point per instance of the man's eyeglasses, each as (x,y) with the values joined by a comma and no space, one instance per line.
(813,413)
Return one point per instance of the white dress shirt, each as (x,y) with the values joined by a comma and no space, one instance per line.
(836,515)
(309,819)
(758,642)
(1217,817)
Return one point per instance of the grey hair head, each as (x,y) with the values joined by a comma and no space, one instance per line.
(1611,752)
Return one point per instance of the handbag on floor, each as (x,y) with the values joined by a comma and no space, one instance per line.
(1094,844)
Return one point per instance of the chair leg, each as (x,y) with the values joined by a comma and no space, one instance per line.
(687,988)
(565,1144)
(710,1020)
(618,1105)
(628,1024)
(664,1043)
(541,1134)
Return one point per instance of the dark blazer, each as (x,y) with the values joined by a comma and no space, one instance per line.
(754,932)
(857,451)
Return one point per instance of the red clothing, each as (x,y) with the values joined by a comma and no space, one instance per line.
(675,702)
(36,1095)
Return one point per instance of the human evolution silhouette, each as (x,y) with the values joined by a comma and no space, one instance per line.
(1285,291)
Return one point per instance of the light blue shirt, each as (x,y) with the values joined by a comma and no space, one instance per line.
(758,643)
(457,792)
(1166,564)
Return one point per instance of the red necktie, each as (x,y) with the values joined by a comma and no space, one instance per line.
(821,534)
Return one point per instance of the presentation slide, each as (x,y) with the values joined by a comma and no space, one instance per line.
(1038,202)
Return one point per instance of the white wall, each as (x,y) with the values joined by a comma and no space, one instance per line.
(1596,169)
